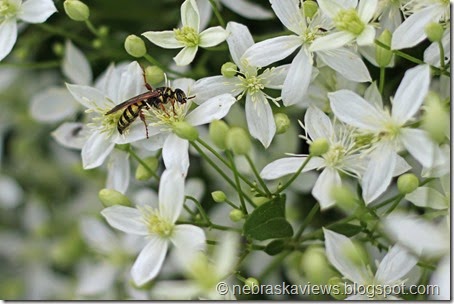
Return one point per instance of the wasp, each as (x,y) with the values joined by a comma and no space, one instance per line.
(134,106)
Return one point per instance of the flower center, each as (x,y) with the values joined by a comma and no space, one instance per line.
(390,132)
(7,9)
(349,21)
(104,123)
(251,84)
(187,35)
(156,224)
(334,156)
(168,115)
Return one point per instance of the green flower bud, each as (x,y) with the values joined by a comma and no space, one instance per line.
(337,290)
(435,119)
(185,130)
(76,10)
(382,55)
(218,132)
(97,43)
(238,141)
(236,215)
(344,198)
(318,147)
(154,74)
(252,283)
(135,46)
(282,123)
(434,31)
(229,69)
(58,49)
(260,200)
(407,183)
(143,173)
(103,31)
(110,197)
(218,196)
(315,265)
(309,8)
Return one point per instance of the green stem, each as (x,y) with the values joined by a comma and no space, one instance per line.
(273,264)
(92,28)
(153,61)
(398,199)
(200,208)
(257,175)
(231,204)
(144,164)
(213,226)
(188,210)
(307,221)
(294,176)
(314,234)
(217,13)
(237,181)
(442,55)
(382,79)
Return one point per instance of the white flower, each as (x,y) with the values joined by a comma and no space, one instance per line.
(411,31)
(390,15)
(159,227)
(188,36)
(390,271)
(204,274)
(432,53)
(305,30)
(429,197)
(388,129)
(249,82)
(351,20)
(31,11)
(341,157)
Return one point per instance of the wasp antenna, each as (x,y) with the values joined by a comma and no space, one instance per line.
(190,97)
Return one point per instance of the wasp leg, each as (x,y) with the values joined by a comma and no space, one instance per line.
(172,101)
(142,118)
(147,85)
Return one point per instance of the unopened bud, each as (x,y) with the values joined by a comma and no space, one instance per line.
(229,70)
(238,141)
(185,130)
(382,55)
(282,122)
(76,10)
(135,46)
(103,31)
(260,200)
(145,173)
(58,49)
(110,197)
(318,147)
(309,8)
(434,31)
(218,132)
(96,43)
(344,197)
(236,215)
(252,283)
(435,119)
(337,289)
(154,74)
(218,196)
(315,265)
(407,183)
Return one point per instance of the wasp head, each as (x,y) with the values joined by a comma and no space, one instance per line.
(180,96)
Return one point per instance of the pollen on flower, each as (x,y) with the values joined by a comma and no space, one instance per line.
(349,20)
(155,223)
(104,123)
(7,9)
(166,117)
(187,35)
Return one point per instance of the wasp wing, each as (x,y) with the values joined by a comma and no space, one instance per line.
(133,100)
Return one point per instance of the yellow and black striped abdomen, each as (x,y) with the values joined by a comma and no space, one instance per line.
(129,115)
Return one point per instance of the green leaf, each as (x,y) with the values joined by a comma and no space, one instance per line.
(346,229)
(275,247)
(268,221)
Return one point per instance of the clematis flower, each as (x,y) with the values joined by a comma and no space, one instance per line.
(248,83)
(31,11)
(159,227)
(188,36)
(388,130)
(306,31)
(390,271)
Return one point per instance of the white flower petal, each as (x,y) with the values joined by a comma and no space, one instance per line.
(98,236)
(126,219)
(8,36)
(214,108)
(331,41)
(379,171)
(427,197)
(118,171)
(149,261)
(226,254)
(70,135)
(11,193)
(332,8)
(367,36)
(347,63)
(271,50)
(395,265)
(298,79)
(411,92)
(247,9)
(274,78)
(328,179)
(411,31)
(420,145)
(135,132)
(260,119)
(36,11)
(190,14)
(53,104)
(75,65)
(288,165)
(171,194)
(95,150)
(175,290)
(373,95)
(164,39)
(213,36)
(209,87)
(175,153)
(367,9)
(441,277)
(432,53)
(131,82)
(339,248)
(89,97)
(401,165)
(186,55)
(239,40)
(289,14)
(355,111)
(318,124)
(189,240)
